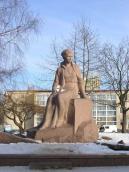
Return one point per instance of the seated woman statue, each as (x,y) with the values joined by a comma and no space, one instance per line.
(68,79)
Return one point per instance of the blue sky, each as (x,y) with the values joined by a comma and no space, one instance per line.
(109,19)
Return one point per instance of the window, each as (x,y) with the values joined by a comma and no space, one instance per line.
(103,112)
(101,107)
(111,107)
(38,119)
(22,95)
(101,97)
(111,123)
(111,97)
(101,118)
(41,99)
(111,113)
(94,106)
(111,118)
(100,123)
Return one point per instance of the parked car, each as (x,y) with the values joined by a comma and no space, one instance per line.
(108,128)
(7,128)
(17,133)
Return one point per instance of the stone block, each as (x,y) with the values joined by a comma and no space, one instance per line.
(87,132)
(62,134)
(82,112)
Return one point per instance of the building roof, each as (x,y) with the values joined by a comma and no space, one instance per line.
(29,90)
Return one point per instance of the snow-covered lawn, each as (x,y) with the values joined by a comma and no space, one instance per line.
(67,148)
(116,137)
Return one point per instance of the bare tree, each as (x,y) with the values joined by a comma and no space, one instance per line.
(114,67)
(73,42)
(17,110)
(50,65)
(83,42)
(85,45)
(16,23)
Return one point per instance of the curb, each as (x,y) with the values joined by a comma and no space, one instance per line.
(74,160)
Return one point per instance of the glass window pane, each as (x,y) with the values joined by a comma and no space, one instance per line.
(101,123)
(41,99)
(111,107)
(111,113)
(101,119)
(111,123)
(102,107)
(93,97)
(101,113)
(101,97)
(111,119)
(111,97)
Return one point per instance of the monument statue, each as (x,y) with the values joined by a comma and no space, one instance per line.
(68,114)
(69,81)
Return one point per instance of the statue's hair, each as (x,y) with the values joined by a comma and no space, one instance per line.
(67,53)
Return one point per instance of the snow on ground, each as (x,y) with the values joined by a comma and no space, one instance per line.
(67,148)
(77,169)
(53,148)
(115,138)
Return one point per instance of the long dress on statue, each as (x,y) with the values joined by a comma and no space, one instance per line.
(70,82)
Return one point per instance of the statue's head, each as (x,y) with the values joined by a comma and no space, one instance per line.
(67,53)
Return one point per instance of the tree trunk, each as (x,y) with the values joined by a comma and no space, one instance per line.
(124,122)
(21,131)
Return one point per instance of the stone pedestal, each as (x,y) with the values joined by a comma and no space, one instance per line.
(80,128)
(83,112)
(60,135)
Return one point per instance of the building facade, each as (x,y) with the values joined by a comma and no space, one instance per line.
(104,110)
(40,99)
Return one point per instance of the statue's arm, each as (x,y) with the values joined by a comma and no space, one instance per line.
(56,81)
(80,83)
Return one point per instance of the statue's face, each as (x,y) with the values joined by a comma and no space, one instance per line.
(67,59)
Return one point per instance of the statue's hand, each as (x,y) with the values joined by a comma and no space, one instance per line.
(83,96)
(54,91)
